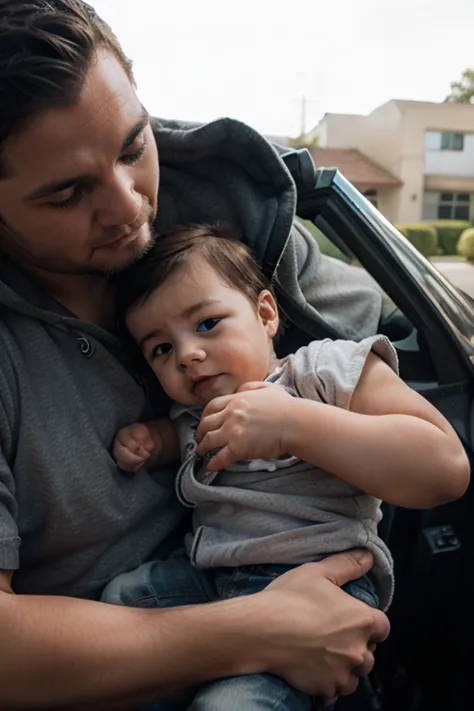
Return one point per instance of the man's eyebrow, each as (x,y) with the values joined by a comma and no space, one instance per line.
(137,129)
(57,185)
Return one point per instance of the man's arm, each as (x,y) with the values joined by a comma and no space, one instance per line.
(78,655)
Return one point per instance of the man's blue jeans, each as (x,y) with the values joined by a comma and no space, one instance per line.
(174,582)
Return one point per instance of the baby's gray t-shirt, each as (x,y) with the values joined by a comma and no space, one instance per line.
(285,510)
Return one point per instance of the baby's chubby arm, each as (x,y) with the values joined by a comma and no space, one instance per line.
(151,443)
(390,443)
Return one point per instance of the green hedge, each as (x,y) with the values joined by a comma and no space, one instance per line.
(422,236)
(466,244)
(449,232)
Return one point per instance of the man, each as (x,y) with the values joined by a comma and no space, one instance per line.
(78,201)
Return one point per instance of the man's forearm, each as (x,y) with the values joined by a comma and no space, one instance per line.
(64,653)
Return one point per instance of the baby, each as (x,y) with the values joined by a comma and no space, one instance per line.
(284,460)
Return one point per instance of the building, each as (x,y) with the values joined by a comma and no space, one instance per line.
(420,156)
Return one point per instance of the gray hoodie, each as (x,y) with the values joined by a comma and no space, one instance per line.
(69,519)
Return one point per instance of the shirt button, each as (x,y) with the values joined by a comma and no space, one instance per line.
(85,347)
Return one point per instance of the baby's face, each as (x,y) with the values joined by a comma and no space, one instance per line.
(202,337)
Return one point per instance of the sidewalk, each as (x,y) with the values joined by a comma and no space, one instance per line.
(460,273)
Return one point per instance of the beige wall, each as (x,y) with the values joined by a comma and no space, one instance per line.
(382,142)
(382,139)
(341,130)
(388,200)
(449,183)
(378,136)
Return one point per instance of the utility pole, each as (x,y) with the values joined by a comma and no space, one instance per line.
(303,106)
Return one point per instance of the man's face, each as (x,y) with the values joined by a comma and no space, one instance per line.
(81,189)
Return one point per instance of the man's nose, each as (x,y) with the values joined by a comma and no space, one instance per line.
(189,355)
(118,203)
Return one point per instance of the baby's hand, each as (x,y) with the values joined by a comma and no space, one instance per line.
(249,424)
(133,446)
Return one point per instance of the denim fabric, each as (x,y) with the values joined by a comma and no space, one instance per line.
(170,583)
(254,692)
(174,582)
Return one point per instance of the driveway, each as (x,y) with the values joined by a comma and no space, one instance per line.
(461,274)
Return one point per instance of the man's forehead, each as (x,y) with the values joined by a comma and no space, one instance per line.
(106,110)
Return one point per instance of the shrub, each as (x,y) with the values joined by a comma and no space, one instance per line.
(449,232)
(466,244)
(422,236)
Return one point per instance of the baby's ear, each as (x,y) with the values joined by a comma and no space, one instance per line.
(268,312)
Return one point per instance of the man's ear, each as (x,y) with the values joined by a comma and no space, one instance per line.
(268,312)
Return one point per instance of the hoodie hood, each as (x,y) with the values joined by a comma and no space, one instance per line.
(225,171)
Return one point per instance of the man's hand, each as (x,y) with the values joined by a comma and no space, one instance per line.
(249,424)
(133,446)
(326,638)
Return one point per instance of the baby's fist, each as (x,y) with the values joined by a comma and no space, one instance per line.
(133,446)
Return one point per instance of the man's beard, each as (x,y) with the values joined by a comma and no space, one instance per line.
(140,252)
(12,241)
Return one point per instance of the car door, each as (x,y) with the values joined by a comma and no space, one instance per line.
(431,323)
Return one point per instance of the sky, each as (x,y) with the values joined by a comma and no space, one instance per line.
(255,59)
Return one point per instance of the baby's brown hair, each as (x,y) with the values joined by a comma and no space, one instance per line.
(231,259)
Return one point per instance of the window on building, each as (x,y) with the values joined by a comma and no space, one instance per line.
(446,206)
(444,141)
(371,196)
(452,141)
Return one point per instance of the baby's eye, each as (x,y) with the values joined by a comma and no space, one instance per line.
(161,349)
(208,324)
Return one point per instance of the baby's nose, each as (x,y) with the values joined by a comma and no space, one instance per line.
(190,356)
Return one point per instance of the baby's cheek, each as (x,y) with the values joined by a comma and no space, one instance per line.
(164,377)
(242,359)
(175,387)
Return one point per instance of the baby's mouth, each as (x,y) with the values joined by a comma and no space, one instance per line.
(204,382)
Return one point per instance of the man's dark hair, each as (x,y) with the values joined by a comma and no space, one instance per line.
(231,259)
(46,48)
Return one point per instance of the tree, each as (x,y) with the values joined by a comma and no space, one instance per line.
(462,91)
(303,142)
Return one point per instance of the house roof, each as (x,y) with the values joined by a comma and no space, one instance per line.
(355,166)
